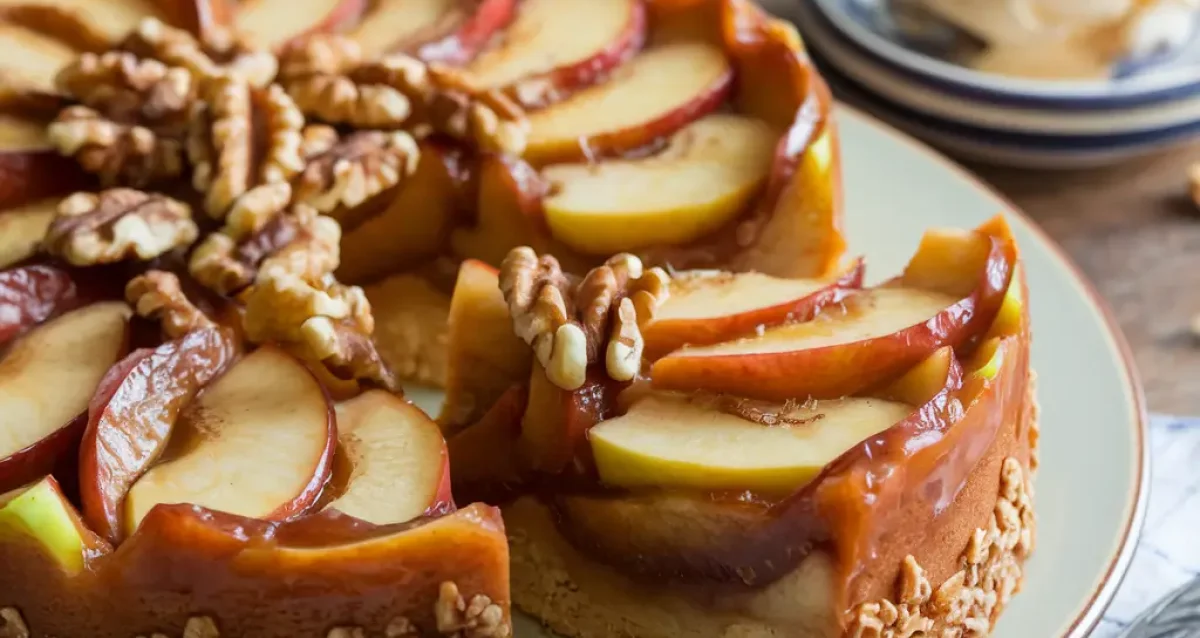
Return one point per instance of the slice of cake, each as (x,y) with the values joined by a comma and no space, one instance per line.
(721,454)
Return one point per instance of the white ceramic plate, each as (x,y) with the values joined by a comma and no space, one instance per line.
(1091,487)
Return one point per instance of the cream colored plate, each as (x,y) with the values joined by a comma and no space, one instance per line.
(1092,483)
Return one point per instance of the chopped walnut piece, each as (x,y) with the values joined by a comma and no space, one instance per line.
(126,89)
(221,54)
(117,153)
(331,80)
(319,75)
(478,618)
(323,322)
(569,324)
(242,137)
(12,624)
(316,139)
(356,168)
(157,295)
(969,601)
(488,119)
(346,632)
(200,627)
(118,224)
(264,234)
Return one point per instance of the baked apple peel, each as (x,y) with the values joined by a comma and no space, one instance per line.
(46,379)
(708,307)
(32,295)
(133,414)
(871,336)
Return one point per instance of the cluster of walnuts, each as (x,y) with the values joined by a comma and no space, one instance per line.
(574,322)
(275,150)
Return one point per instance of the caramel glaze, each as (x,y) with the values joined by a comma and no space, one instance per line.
(255,578)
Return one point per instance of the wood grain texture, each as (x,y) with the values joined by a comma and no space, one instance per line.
(1135,232)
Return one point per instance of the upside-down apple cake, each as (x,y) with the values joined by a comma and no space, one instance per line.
(231,230)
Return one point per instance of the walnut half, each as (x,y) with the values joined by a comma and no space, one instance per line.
(569,322)
(242,137)
(264,233)
(118,224)
(116,152)
(157,295)
(355,168)
(323,322)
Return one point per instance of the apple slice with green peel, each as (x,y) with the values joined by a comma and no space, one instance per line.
(274,23)
(32,294)
(392,464)
(707,307)
(46,380)
(133,413)
(655,94)
(544,55)
(485,358)
(674,441)
(41,513)
(870,337)
(704,178)
(258,442)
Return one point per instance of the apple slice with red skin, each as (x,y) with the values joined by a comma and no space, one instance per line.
(392,464)
(46,379)
(544,55)
(657,93)
(30,295)
(875,335)
(259,441)
(274,24)
(448,31)
(556,421)
(735,537)
(705,308)
(469,34)
(132,415)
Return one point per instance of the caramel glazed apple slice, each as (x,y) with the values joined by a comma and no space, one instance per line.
(256,336)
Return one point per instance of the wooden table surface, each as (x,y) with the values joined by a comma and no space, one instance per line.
(1135,232)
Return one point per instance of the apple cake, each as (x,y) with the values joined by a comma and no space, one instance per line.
(717,454)
(229,231)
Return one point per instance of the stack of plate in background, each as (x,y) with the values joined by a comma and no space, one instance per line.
(874,61)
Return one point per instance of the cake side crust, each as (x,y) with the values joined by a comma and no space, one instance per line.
(578,597)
